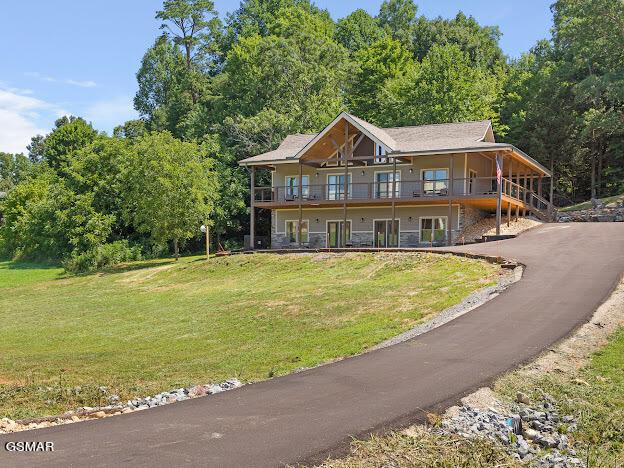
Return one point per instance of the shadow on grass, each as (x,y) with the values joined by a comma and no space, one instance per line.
(9,265)
(126,267)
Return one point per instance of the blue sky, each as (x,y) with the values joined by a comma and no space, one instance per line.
(80,57)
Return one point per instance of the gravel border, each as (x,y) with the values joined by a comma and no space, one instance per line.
(471,302)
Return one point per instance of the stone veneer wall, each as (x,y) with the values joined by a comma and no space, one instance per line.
(469,215)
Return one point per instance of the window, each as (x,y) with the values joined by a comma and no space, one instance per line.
(433,229)
(380,154)
(384,182)
(435,181)
(336,186)
(292,231)
(292,186)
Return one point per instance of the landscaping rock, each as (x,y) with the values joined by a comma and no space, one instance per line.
(613,212)
(523,398)
(526,431)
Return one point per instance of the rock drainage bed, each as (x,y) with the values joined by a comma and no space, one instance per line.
(532,433)
(115,406)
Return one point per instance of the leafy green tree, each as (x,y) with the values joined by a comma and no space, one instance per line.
(171,188)
(44,220)
(132,129)
(588,38)
(398,18)
(301,78)
(36,148)
(359,30)
(70,135)
(13,169)
(384,60)
(195,27)
(261,17)
(479,42)
(443,88)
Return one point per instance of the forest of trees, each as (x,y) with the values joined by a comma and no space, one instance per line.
(212,91)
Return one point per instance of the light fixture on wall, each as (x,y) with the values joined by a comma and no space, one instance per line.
(411,170)
(409,219)
(363,173)
(316,175)
(317,220)
(362,219)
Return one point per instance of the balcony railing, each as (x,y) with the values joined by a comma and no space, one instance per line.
(404,190)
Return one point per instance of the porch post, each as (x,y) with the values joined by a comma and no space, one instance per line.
(525,198)
(510,190)
(252,211)
(499,192)
(552,188)
(346,184)
(518,194)
(393,200)
(299,197)
(449,228)
(531,189)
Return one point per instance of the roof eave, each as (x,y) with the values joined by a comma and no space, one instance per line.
(476,149)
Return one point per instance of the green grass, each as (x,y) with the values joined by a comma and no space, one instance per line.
(587,204)
(155,325)
(424,449)
(595,394)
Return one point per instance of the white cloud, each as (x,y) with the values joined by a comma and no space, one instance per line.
(82,84)
(17,115)
(107,114)
(69,81)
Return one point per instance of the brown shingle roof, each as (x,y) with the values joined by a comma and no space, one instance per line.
(446,136)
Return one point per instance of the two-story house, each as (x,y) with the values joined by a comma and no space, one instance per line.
(358,185)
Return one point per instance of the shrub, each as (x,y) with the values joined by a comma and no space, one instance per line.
(102,256)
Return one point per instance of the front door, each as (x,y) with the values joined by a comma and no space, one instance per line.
(384,236)
(335,233)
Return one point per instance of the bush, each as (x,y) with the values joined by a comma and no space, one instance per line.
(102,256)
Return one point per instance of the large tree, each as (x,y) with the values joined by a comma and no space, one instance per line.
(70,135)
(358,30)
(398,17)
(172,188)
(443,88)
(383,61)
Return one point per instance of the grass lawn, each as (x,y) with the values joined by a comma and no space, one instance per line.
(587,205)
(595,394)
(151,326)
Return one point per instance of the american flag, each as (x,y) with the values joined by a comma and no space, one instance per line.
(499,171)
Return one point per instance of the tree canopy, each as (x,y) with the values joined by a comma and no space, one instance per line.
(211,92)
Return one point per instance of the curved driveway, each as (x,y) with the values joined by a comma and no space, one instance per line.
(571,269)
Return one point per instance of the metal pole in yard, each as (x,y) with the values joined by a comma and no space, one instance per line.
(207,240)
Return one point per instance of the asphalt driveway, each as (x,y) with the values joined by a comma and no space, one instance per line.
(571,269)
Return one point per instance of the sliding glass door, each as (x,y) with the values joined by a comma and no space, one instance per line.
(384,235)
(335,234)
